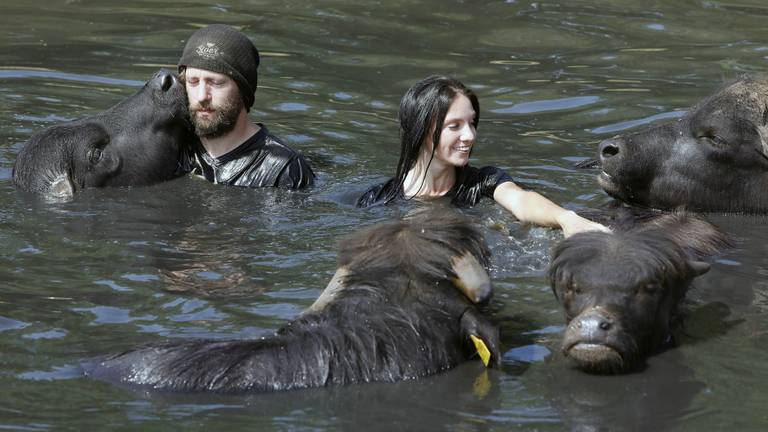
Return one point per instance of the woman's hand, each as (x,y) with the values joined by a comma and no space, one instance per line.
(571,223)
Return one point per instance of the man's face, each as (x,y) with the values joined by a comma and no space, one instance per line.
(214,102)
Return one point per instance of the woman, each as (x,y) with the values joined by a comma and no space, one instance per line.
(442,110)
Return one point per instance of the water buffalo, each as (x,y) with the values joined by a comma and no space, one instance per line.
(715,158)
(139,141)
(402,306)
(622,291)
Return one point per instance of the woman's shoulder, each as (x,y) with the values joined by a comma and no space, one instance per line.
(487,175)
(376,194)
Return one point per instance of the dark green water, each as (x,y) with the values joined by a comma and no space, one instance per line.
(115,268)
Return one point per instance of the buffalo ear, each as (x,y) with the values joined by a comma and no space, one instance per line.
(471,278)
(62,187)
(699,267)
(474,324)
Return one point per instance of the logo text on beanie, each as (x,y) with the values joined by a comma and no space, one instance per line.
(208,50)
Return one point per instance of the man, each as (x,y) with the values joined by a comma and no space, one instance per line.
(219,68)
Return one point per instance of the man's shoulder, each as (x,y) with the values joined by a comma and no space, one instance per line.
(287,166)
(275,146)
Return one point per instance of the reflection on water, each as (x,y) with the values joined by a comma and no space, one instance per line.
(656,399)
(116,268)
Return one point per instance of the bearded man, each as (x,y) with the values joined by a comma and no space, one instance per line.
(219,70)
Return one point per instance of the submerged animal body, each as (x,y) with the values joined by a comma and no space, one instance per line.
(714,158)
(622,291)
(403,307)
(140,141)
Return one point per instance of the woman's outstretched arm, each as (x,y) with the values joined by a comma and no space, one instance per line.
(531,207)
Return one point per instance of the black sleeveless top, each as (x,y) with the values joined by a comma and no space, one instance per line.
(471,185)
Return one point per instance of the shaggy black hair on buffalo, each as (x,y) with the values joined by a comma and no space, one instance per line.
(626,274)
(659,249)
(397,316)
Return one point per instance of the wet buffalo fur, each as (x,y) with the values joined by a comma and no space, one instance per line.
(622,291)
(396,316)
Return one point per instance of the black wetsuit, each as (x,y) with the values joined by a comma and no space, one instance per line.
(261,161)
(471,185)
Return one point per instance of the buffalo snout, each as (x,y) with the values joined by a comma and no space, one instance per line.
(609,149)
(593,326)
(164,79)
(612,154)
(595,342)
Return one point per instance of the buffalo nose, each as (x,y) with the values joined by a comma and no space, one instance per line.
(608,149)
(166,81)
(594,325)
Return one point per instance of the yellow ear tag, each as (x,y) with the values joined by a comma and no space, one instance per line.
(482,350)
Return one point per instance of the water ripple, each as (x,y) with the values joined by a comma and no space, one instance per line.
(629,124)
(113,315)
(50,74)
(11,324)
(540,106)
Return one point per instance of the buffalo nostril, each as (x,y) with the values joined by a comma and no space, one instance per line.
(166,81)
(605,325)
(609,149)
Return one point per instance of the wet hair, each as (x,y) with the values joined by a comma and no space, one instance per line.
(422,110)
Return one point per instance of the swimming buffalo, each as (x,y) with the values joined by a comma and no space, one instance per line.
(403,305)
(622,291)
(715,158)
(139,141)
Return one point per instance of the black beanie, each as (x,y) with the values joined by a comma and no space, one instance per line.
(222,49)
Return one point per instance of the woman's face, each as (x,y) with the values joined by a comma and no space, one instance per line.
(458,135)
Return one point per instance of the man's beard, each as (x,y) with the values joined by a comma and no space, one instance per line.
(221,122)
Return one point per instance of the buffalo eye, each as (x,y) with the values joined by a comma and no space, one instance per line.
(573,288)
(714,139)
(94,155)
(718,140)
(650,288)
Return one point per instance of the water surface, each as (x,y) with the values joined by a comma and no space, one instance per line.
(186,259)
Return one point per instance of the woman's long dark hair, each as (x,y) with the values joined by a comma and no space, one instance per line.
(423,109)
